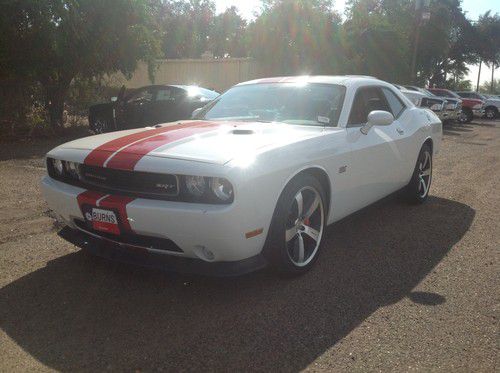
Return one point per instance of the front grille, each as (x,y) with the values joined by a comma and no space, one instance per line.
(132,239)
(130,182)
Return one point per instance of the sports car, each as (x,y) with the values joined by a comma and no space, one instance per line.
(252,180)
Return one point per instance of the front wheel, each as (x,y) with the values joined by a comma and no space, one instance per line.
(417,190)
(296,230)
(465,116)
(101,125)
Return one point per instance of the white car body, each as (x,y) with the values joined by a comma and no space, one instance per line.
(258,159)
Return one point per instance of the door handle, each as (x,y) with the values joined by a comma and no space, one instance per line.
(400,131)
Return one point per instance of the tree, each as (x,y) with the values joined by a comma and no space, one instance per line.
(186,27)
(297,37)
(488,42)
(376,39)
(53,41)
(486,87)
(228,36)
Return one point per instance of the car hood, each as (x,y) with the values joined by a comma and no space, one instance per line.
(204,141)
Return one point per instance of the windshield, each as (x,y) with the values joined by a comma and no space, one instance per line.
(304,104)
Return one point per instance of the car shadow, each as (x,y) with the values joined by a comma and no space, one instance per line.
(85,313)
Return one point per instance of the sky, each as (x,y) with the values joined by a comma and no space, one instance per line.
(474,8)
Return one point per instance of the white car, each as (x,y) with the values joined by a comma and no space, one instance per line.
(253,180)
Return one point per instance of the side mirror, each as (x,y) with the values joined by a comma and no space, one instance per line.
(114,99)
(196,112)
(377,118)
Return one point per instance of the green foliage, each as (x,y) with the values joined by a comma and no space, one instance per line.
(186,27)
(458,84)
(297,37)
(486,87)
(228,37)
(53,41)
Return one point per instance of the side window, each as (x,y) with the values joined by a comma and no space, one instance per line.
(164,94)
(367,99)
(141,96)
(395,103)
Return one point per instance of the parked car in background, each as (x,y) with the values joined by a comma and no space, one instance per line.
(471,107)
(453,106)
(148,106)
(491,104)
(436,104)
(254,179)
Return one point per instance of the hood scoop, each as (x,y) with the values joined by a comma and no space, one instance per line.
(242,132)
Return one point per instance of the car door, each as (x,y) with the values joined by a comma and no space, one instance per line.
(408,139)
(170,104)
(137,107)
(376,161)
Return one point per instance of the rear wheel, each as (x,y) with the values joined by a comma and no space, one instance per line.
(417,190)
(296,230)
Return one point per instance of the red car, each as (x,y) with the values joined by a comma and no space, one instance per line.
(471,107)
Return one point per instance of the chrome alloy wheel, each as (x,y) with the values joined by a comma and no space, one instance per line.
(304,226)
(100,126)
(424,174)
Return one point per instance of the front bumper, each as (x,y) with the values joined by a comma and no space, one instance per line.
(144,258)
(193,228)
(442,115)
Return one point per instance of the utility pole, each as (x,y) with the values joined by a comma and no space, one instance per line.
(422,14)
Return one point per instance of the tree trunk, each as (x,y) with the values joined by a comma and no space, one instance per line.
(479,75)
(492,77)
(55,95)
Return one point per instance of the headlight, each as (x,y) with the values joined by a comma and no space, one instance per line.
(58,166)
(477,106)
(196,185)
(73,170)
(63,170)
(222,188)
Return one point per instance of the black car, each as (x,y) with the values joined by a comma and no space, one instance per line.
(148,106)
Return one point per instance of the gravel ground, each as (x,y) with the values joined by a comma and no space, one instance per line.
(397,287)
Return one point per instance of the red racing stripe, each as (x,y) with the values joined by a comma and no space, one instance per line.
(88,197)
(127,158)
(119,203)
(99,155)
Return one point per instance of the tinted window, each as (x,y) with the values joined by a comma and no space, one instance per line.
(395,103)
(367,100)
(141,96)
(463,94)
(164,94)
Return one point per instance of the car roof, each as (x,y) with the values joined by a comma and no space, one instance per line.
(346,80)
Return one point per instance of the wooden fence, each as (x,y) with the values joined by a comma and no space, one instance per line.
(218,74)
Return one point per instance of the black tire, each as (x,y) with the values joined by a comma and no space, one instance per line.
(417,190)
(287,256)
(491,112)
(466,116)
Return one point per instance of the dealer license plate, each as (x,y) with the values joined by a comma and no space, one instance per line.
(105,221)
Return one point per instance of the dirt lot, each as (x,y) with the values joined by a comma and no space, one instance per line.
(397,287)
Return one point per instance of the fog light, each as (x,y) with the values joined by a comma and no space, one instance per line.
(204,253)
